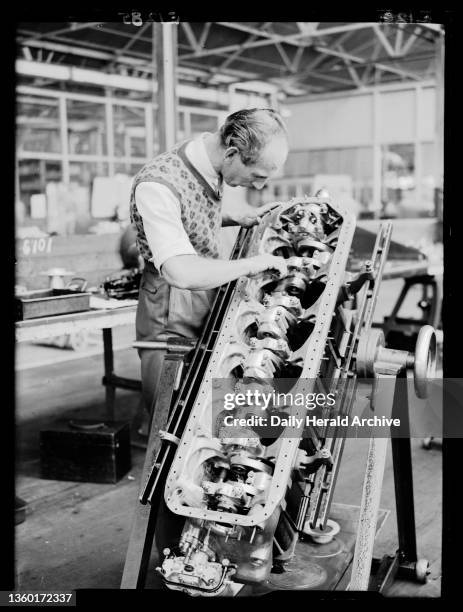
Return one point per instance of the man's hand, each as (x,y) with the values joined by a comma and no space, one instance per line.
(248,216)
(260,263)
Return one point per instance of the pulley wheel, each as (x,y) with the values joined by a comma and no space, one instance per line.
(425,360)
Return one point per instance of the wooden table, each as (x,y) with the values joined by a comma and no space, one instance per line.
(104,319)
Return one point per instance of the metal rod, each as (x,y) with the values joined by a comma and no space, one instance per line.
(161,345)
(371,495)
(109,371)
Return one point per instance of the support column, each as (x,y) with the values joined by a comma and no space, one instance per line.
(376,206)
(165,60)
(418,147)
(440,112)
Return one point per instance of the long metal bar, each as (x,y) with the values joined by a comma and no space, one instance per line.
(324,482)
(109,371)
(371,495)
(326,494)
(403,477)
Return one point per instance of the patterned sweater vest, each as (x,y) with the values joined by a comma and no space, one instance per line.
(200,205)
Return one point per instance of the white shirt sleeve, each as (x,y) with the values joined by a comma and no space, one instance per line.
(160,212)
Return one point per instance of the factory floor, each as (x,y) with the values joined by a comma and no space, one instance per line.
(75,535)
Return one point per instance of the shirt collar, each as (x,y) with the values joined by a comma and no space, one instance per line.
(197,154)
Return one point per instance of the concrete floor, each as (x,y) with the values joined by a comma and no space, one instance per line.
(75,535)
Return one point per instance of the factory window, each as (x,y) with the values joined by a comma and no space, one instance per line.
(33,176)
(97,191)
(128,168)
(398,181)
(129,131)
(429,177)
(84,173)
(203,123)
(86,128)
(77,156)
(351,165)
(38,125)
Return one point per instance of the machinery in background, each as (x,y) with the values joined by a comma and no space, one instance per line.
(126,283)
(123,285)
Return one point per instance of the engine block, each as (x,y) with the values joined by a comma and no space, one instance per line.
(231,486)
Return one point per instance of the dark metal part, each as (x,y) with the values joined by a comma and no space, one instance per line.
(110,380)
(50,302)
(124,285)
(403,475)
(383,572)
(402,332)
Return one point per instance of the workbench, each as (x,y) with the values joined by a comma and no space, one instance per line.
(105,319)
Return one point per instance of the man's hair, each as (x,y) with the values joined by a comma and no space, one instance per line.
(249,130)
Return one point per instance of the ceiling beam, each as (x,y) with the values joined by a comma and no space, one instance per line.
(329,78)
(321,57)
(80,51)
(351,70)
(92,45)
(27,53)
(278,38)
(299,77)
(204,34)
(190,36)
(399,38)
(231,58)
(297,59)
(122,33)
(134,38)
(250,30)
(433,26)
(131,84)
(132,61)
(369,70)
(408,44)
(284,56)
(384,41)
(74,27)
(307,27)
(360,60)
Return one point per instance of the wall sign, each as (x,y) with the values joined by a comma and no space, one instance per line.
(35,246)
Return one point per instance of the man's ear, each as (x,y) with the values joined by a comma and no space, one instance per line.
(231,152)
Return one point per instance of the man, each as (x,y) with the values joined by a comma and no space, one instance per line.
(176,208)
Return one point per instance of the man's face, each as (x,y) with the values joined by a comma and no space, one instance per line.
(237,174)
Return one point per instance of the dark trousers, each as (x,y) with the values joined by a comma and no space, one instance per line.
(165,311)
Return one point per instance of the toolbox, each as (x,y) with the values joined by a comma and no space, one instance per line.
(50,302)
(85,450)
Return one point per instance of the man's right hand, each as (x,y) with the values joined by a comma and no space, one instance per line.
(260,263)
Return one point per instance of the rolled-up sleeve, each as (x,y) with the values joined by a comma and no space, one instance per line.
(160,212)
